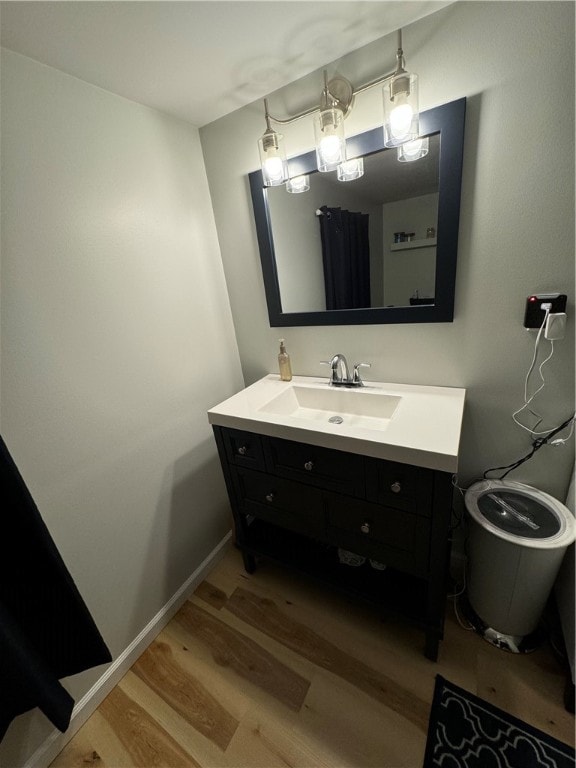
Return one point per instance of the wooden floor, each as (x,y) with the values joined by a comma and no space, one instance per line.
(270,671)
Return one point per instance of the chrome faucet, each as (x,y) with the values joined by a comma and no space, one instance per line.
(340,373)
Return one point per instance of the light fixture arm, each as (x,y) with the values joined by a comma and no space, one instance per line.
(399,56)
(288,120)
(270,137)
(335,87)
(325,100)
(267,115)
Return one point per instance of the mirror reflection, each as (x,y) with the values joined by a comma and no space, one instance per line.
(370,242)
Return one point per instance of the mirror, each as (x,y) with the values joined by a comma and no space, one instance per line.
(308,278)
(390,198)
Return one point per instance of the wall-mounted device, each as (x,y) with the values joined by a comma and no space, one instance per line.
(555,328)
(537,304)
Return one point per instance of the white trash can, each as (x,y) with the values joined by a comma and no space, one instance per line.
(517,539)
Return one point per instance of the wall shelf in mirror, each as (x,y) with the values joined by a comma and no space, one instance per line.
(300,288)
(410,245)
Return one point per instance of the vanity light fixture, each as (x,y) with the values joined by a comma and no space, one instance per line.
(298,184)
(272,154)
(413,150)
(401,125)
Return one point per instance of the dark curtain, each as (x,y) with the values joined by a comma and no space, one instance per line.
(46,631)
(346,258)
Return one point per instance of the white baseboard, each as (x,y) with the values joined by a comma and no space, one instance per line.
(56,741)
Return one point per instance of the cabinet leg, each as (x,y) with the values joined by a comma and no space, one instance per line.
(431,645)
(249,562)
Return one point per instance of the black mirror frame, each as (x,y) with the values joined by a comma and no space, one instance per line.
(448,120)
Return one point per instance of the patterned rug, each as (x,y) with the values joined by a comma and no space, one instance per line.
(467,732)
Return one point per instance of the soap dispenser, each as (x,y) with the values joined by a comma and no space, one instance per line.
(284,363)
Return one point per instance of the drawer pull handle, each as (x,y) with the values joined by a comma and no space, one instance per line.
(365,527)
(242,450)
(309,465)
(269,498)
(396,487)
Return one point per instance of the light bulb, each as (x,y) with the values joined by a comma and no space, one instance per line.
(413,147)
(351,169)
(400,98)
(298,184)
(330,148)
(413,150)
(401,120)
(273,168)
(330,140)
(272,158)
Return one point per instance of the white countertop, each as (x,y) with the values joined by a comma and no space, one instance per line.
(424,429)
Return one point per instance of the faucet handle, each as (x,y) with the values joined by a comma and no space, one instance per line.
(356,375)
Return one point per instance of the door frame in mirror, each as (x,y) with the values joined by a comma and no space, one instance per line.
(448,121)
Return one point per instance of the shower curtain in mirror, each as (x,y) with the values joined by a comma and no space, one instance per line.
(346,258)
(46,631)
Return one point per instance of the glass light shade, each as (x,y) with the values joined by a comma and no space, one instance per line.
(351,169)
(273,159)
(401,119)
(298,184)
(330,140)
(413,150)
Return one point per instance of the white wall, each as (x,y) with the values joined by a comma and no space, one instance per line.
(298,248)
(116,338)
(516,230)
(409,271)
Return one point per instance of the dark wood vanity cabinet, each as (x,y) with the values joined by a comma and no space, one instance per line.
(300,504)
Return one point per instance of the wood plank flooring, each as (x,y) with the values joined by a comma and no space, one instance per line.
(270,670)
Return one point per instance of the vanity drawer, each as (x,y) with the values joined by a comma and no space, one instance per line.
(286,504)
(400,486)
(244,448)
(391,536)
(321,467)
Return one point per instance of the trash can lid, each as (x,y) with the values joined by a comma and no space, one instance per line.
(520,513)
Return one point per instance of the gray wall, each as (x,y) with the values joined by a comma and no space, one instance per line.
(516,232)
(116,338)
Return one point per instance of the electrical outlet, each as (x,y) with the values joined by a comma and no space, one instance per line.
(534,314)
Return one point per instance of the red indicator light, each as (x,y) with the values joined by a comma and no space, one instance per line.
(532,298)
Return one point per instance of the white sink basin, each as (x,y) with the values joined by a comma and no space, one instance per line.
(408,423)
(360,407)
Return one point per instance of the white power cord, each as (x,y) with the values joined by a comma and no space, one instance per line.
(529,398)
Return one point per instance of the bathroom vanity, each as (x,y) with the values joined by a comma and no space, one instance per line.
(305,491)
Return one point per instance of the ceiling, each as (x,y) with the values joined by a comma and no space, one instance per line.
(198,60)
